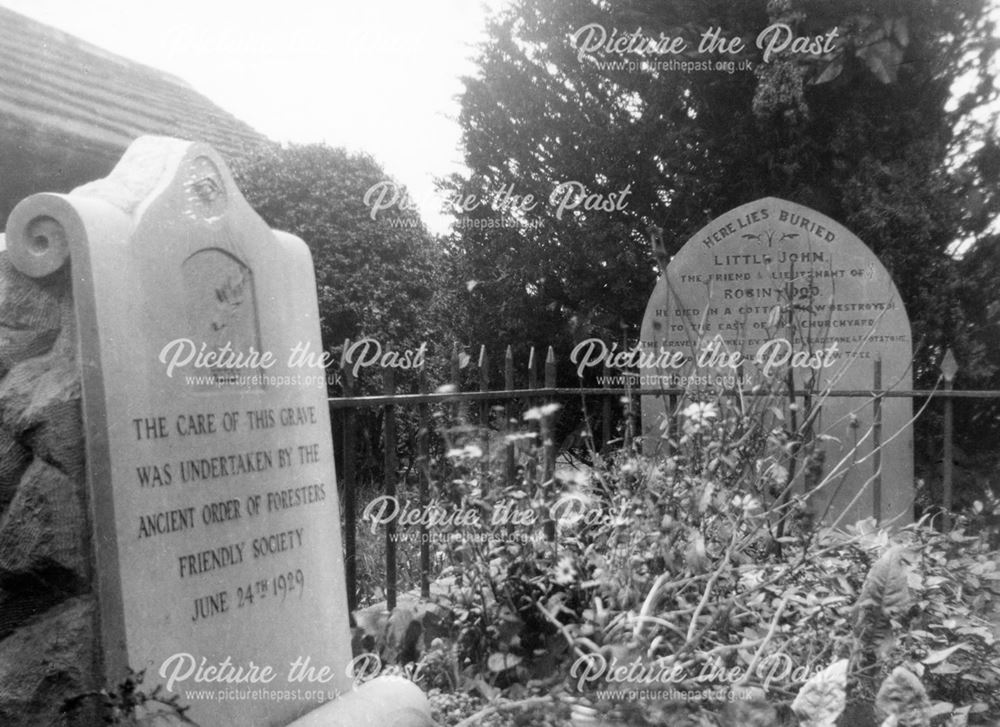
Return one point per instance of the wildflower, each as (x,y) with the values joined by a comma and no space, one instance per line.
(778,474)
(469,451)
(747,503)
(575,476)
(751,577)
(698,416)
(565,572)
(538,412)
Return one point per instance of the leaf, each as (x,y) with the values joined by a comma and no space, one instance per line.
(946,668)
(886,584)
(940,708)
(941,654)
(499,662)
(774,317)
(696,555)
(706,497)
(904,698)
(822,699)
(832,70)
(901,30)
(883,59)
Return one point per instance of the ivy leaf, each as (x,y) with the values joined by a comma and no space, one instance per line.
(886,584)
(822,699)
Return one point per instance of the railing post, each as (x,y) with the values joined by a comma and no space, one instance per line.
(877,441)
(350,507)
(508,385)
(389,441)
(424,480)
(532,370)
(548,435)
(531,472)
(949,367)
(455,411)
(606,414)
(548,441)
(458,412)
(484,418)
(629,432)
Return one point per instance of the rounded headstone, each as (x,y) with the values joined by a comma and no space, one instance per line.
(775,292)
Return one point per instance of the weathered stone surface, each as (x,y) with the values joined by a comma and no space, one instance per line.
(14,459)
(29,315)
(46,642)
(44,529)
(30,321)
(36,391)
(44,663)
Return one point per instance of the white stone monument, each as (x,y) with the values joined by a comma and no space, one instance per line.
(788,289)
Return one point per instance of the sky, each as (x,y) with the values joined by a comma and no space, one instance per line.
(379,76)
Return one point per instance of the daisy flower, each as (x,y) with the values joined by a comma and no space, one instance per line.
(565,572)
(698,416)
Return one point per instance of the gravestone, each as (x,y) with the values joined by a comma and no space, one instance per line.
(210,484)
(790,290)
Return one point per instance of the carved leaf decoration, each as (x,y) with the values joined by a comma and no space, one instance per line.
(886,585)
(822,699)
(903,698)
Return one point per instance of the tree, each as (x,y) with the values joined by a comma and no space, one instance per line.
(377,275)
(867,130)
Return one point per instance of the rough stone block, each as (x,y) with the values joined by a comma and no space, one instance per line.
(46,661)
(14,459)
(29,315)
(43,530)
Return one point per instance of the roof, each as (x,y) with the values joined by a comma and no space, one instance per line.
(53,82)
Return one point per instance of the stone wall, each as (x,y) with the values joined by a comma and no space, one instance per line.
(48,613)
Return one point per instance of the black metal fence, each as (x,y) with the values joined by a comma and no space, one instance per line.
(477,405)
